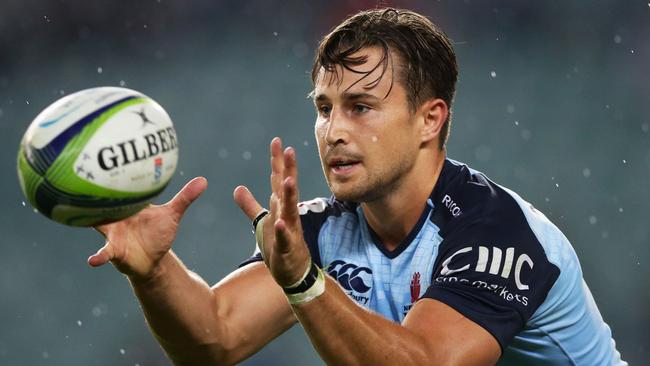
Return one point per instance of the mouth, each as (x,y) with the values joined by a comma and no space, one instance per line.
(343,166)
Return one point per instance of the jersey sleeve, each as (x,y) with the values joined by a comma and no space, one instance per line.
(495,272)
(312,217)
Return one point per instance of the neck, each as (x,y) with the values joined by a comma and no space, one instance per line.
(394,215)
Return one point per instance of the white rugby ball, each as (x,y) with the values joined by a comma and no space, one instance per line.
(97,156)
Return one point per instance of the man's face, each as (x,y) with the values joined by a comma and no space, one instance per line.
(367,139)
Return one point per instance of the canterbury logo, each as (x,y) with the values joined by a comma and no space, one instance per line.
(350,276)
(497,266)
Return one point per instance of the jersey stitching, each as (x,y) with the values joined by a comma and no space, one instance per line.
(559,345)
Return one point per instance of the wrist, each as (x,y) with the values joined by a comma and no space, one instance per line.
(155,273)
(308,287)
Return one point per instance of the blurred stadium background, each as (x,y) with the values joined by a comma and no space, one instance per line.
(553,102)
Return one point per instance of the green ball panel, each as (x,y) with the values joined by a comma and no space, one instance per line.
(88,216)
(28,178)
(48,198)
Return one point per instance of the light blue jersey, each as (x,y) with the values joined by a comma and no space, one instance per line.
(484,251)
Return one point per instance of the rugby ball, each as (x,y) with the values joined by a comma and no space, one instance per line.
(97,156)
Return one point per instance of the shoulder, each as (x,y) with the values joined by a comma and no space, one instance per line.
(499,257)
(316,213)
(472,208)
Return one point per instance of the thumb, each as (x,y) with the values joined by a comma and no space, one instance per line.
(187,195)
(103,256)
(245,200)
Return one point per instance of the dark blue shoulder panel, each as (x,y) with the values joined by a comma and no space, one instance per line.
(490,265)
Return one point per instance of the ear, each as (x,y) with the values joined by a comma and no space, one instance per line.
(434,114)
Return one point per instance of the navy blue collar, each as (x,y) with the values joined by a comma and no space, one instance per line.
(447,174)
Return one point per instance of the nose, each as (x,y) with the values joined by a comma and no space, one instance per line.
(336,131)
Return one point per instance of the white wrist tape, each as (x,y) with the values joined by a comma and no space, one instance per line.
(302,278)
(259,233)
(313,292)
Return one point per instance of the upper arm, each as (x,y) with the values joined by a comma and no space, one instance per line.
(449,337)
(253,309)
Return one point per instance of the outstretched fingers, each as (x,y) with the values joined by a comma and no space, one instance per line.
(247,202)
(290,188)
(277,166)
(103,256)
(187,195)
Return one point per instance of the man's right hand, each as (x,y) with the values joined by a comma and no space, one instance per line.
(136,244)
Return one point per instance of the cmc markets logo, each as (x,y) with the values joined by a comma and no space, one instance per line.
(356,280)
(498,266)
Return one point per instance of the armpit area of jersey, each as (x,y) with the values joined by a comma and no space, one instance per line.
(254,258)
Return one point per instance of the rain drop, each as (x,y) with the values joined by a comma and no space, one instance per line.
(23,203)
(493,74)
(122,83)
(644,127)
(516,123)
(96,311)
(624,161)
(79,322)
(620,209)
(122,351)
(593,220)
(306,143)
(557,185)
(586,172)
(100,70)
(374,139)
(247,155)
(275,34)
(223,153)
(617,39)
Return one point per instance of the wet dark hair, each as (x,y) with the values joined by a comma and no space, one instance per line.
(426,62)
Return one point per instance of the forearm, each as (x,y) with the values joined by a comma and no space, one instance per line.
(181,311)
(344,333)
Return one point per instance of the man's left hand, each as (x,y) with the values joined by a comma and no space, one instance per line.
(284,251)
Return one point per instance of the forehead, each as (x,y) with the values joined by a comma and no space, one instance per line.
(373,74)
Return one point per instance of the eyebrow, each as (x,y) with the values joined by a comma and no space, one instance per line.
(349,96)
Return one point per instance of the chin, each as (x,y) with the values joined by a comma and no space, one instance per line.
(349,194)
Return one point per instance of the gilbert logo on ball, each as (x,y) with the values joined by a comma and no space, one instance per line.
(97,156)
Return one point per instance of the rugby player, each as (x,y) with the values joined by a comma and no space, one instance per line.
(416,259)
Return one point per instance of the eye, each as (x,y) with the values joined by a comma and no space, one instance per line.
(360,108)
(324,110)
